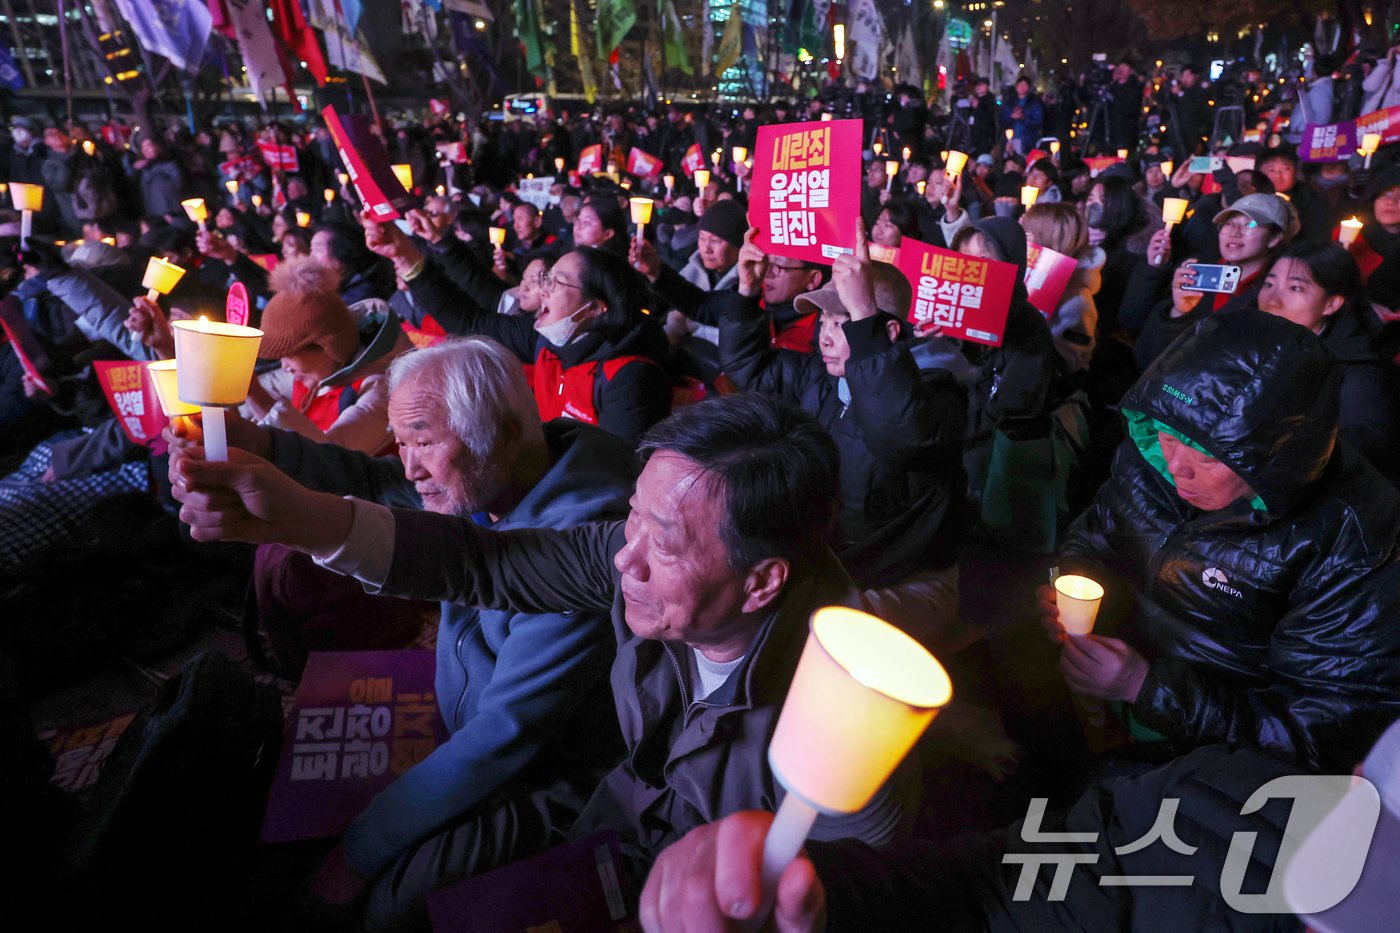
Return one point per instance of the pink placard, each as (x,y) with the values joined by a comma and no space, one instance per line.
(131,393)
(643,164)
(965,296)
(805,195)
(236,306)
(694,160)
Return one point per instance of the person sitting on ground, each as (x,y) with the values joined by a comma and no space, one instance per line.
(709,625)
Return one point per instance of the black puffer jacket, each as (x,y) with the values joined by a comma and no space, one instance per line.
(1270,623)
(899,432)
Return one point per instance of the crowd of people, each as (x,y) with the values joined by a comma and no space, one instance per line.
(628,466)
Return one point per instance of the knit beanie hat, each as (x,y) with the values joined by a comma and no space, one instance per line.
(726,220)
(305,311)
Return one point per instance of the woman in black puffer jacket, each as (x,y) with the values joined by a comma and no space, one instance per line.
(1265,619)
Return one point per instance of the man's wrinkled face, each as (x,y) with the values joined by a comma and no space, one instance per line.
(677,581)
(526,220)
(447,476)
(786,279)
(1201,480)
(716,253)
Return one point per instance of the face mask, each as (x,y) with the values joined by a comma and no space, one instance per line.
(21,137)
(1093,215)
(562,333)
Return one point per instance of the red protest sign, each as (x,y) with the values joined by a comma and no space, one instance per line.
(1099,164)
(1047,274)
(32,358)
(967,297)
(368,165)
(131,393)
(805,198)
(283,157)
(236,306)
(693,161)
(590,160)
(643,164)
(454,153)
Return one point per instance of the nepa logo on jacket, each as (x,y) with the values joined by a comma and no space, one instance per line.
(1215,579)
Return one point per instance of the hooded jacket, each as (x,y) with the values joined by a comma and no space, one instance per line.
(627,402)
(522,693)
(1269,623)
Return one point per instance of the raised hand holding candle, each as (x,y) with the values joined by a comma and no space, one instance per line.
(497,236)
(956,162)
(1010,134)
(214,365)
(891,170)
(257,200)
(161,277)
(303,219)
(1055,149)
(1028,195)
(26,199)
(714,157)
(231,186)
(862,695)
(1370,142)
(739,153)
(1167,167)
(1078,600)
(329,194)
(1349,230)
(670,182)
(877,147)
(1173,210)
(702,180)
(921,186)
(641,215)
(907,153)
(558,163)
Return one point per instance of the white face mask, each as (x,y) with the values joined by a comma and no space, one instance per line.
(562,333)
(22,136)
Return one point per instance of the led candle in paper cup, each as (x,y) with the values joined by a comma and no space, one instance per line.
(907,153)
(195,210)
(89,147)
(343,178)
(161,277)
(232,186)
(702,179)
(559,163)
(891,170)
(1167,169)
(303,219)
(956,162)
(641,211)
(1173,210)
(1349,230)
(921,186)
(214,365)
(715,157)
(877,147)
(164,376)
(257,200)
(329,194)
(826,118)
(1028,195)
(862,695)
(26,199)
(404,173)
(1055,148)
(1078,599)
(1123,155)
(1370,142)
(1010,134)
(739,153)
(670,182)
(497,236)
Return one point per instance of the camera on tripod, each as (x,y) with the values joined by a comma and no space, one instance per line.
(1097,77)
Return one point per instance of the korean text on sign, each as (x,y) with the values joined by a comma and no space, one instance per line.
(948,286)
(801,184)
(366,738)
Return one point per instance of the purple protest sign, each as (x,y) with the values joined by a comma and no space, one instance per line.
(359,719)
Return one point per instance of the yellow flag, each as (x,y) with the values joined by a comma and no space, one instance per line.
(582,52)
(573,30)
(731,43)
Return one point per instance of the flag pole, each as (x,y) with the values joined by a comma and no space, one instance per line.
(67,68)
(373,107)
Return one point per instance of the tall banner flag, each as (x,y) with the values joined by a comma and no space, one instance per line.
(175,29)
(259,49)
(969,298)
(673,39)
(906,60)
(731,41)
(868,34)
(344,47)
(582,53)
(299,38)
(615,19)
(527,29)
(9,73)
(805,198)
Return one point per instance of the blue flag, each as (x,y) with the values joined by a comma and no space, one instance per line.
(176,29)
(9,73)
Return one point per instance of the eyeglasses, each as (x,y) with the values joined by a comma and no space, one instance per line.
(548,280)
(775,271)
(1393,195)
(1240,227)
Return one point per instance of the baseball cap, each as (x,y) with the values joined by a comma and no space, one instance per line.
(892,294)
(1260,208)
(1327,857)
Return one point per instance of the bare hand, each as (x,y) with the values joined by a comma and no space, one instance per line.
(187,432)
(952,200)
(677,328)
(215,246)
(1049,614)
(1183,301)
(248,499)
(753,265)
(148,324)
(33,388)
(1102,667)
(710,880)
(422,225)
(644,258)
(854,280)
(1159,249)
(389,241)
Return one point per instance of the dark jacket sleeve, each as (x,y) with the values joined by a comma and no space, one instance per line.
(1147,286)
(252,275)
(461,314)
(334,469)
(1027,368)
(678,293)
(453,560)
(1161,329)
(634,399)
(747,356)
(899,413)
(468,272)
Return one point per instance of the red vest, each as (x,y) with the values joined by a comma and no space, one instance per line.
(325,408)
(568,393)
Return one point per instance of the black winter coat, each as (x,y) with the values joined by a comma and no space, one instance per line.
(900,439)
(1274,627)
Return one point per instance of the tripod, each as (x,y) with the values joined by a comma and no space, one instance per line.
(959,130)
(1098,121)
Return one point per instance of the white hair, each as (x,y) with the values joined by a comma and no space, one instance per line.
(482,385)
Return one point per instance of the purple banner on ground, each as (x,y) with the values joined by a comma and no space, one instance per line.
(359,719)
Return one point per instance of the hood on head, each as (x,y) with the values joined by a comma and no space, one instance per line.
(1010,239)
(1255,391)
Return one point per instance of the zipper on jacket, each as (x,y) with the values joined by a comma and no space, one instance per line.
(466,674)
(680,676)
